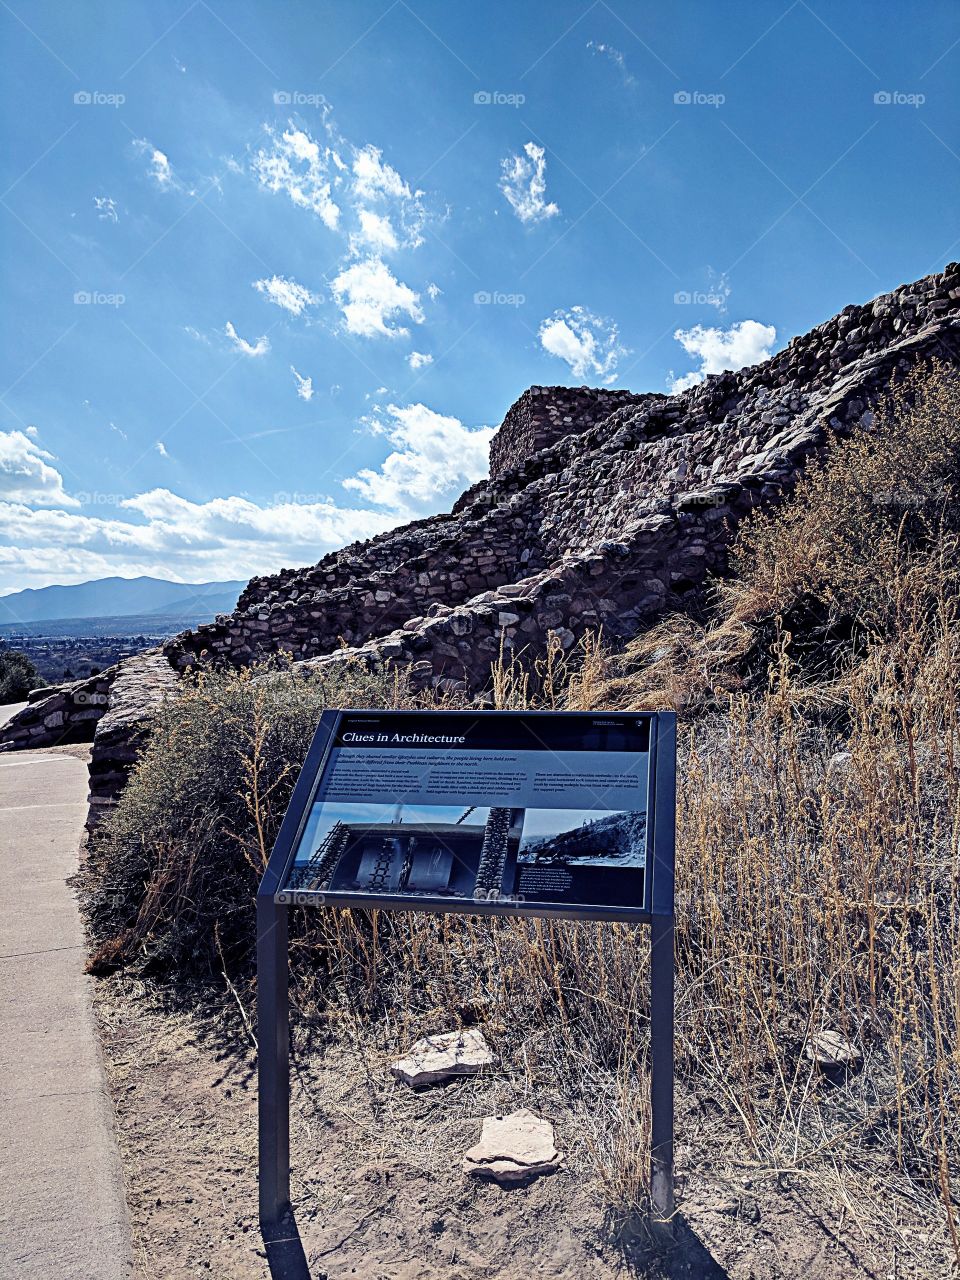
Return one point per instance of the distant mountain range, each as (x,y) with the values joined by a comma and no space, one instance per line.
(120,598)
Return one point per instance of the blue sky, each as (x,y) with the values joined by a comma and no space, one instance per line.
(274,272)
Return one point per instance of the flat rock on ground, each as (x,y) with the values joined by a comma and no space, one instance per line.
(832,1049)
(438,1058)
(514,1148)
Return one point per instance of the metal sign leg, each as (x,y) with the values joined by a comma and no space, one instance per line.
(273,1063)
(661,1065)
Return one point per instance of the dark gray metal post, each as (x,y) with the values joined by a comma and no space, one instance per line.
(661,1065)
(662,969)
(273,1062)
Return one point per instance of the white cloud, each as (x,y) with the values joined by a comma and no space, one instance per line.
(523,182)
(433,292)
(44,537)
(160,169)
(433,456)
(285,293)
(26,474)
(374,180)
(370,296)
(589,344)
(376,233)
(161,448)
(613,55)
(298,166)
(259,348)
(742,344)
(304,385)
(163,535)
(106,208)
(418,359)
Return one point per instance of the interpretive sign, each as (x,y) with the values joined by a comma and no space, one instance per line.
(514,811)
(556,814)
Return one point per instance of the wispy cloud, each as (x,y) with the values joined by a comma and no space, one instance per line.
(523,182)
(613,55)
(304,385)
(259,348)
(590,344)
(299,167)
(106,208)
(159,169)
(287,294)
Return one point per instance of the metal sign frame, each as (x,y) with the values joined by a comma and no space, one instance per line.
(273,904)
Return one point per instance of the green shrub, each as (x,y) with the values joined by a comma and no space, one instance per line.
(18,676)
(172,875)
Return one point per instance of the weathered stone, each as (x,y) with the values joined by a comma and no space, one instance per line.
(832,1049)
(514,1148)
(441,1057)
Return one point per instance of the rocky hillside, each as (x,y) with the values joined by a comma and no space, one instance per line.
(603,509)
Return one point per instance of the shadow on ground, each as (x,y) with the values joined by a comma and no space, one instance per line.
(667,1252)
(285,1256)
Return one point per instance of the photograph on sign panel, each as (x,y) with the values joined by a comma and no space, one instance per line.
(412,850)
(586,837)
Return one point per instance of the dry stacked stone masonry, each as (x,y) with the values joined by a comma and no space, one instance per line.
(603,509)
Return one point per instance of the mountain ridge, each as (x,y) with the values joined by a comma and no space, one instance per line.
(117,597)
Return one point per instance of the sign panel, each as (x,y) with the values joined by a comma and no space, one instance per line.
(507,812)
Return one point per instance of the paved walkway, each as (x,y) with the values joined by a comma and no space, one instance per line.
(62,1210)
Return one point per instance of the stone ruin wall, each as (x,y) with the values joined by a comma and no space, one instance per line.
(603,509)
(544,415)
(112,710)
(630,508)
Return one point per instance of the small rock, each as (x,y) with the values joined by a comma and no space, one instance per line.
(436,1058)
(839,763)
(514,1148)
(832,1049)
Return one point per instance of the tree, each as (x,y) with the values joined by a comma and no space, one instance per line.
(18,676)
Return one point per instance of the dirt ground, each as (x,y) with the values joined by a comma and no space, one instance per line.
(379,1193)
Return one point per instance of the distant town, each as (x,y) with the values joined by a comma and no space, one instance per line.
(74,648)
